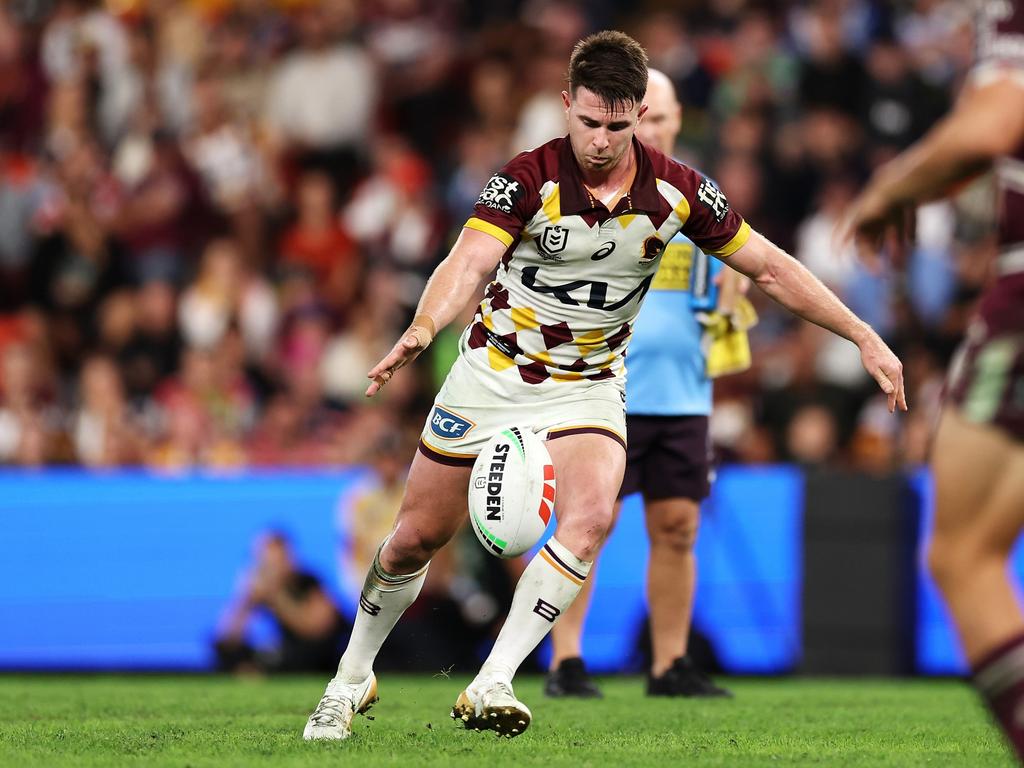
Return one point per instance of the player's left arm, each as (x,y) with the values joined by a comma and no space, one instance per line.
(715,227)
(987,122)
(791,284)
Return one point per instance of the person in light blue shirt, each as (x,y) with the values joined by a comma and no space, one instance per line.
(666,370)
(668,402)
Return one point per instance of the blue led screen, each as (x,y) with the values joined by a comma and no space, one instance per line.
(130,570)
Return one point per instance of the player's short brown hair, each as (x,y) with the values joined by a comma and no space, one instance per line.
(612,65)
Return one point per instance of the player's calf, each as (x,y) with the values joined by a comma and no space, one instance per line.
(548,586)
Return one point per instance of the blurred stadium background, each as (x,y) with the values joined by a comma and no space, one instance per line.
(215,216)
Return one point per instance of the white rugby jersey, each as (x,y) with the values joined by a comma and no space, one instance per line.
(574,276)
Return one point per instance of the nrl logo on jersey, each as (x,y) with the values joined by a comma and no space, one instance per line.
(501,193)
(553,241)
(712,197)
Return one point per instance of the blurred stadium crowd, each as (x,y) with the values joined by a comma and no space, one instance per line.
(216,215)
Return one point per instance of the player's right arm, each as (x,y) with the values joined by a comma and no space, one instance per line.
(500,213)
(455,281)
(986,123)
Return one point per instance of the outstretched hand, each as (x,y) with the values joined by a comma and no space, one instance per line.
(406,349)
(885,368)
(872,223)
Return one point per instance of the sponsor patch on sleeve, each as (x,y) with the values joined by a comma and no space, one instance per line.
(711,196)
(501,193)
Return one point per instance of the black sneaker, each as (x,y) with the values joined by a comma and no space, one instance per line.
(571,679)
(684,679)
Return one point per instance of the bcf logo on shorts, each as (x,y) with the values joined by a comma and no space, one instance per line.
(448,425)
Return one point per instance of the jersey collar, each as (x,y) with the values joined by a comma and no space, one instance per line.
(575,199)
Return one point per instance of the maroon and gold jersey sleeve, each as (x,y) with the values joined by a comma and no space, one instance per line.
(999,34)
(712,223)
(509,200)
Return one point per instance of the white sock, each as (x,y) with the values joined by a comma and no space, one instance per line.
(547,587)
(384,598)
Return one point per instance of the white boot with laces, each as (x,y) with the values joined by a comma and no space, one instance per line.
(332,718)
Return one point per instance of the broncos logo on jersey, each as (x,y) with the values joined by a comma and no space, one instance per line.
(653,246)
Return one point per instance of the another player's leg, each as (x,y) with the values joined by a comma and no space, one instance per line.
(671,581)
(432,510)
(675,479)
(588,468)
(671,577)
(979,490)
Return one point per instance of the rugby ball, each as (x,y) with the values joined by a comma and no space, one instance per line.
(511,492)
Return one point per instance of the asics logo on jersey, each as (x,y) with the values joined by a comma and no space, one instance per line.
(713,198)
(448,425)
(604,251)
(598,291)
(501,193)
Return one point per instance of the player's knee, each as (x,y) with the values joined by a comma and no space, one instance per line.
(676,531)
(589,544)
(409,550)
(958,557)
(585,534)
(680,536)
(940,563)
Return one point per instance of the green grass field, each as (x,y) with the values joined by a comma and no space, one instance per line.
(213,721)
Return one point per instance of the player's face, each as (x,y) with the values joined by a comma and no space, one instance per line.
(660,125)
(599,136)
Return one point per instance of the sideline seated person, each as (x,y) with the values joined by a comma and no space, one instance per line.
(310,625)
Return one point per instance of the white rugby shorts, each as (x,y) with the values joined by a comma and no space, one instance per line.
(475,402)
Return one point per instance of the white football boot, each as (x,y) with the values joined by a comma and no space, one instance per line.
(332,718)
(490,705)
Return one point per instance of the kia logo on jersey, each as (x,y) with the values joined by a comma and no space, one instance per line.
(447,425)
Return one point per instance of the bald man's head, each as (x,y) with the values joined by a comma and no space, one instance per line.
(661,124)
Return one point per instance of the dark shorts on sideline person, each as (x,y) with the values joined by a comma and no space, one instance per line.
(667,457)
